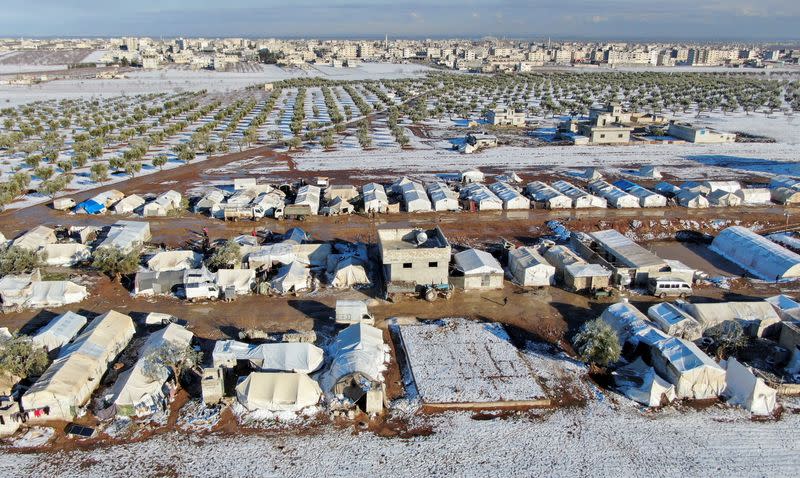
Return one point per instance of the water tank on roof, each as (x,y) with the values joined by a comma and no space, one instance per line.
(422,238)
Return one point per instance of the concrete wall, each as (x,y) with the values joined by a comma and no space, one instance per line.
(420,272)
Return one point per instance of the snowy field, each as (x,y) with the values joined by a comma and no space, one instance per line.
(602,439)
(459,361)
(172,80)
(688,161)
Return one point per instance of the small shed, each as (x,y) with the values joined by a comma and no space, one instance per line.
(529,269)
(62,204)
(480,270)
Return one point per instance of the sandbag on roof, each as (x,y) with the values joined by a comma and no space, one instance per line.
(278,391)
(743,388)
(59,331)
(640,382)
(760,256)
(174,261)
(285,357)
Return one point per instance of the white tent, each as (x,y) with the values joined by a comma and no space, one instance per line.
(786,307)
(652,172)
(512,199)
(483,197)
(163,204)
(442,197)
(757,318)
(632,327)
(291,278)
(59,331)
(127,235)
(16,289)
(36,238)
(269,255)
(529,268)
(55,294)
(640,383)
(786,196)
(309,195)
(137,393)
(69,381)
(278,391)
(282,357)
(66,255)
(615,196)
(174,261)
(128,204)
(729,186)
(415,198)
(472,176)
(743,388)
(674,321)
(722,198)
(755,196)
(691,199)
(375,199)
(349,272)
(760,256)
(579,197)
(694,374)
(359,359)
(549,197)
(647,198)
(243,281)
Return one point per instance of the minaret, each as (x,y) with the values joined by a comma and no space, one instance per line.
(386,42)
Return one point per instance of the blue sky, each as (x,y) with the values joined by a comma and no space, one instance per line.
(600,19)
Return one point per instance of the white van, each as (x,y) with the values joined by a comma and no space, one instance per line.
(666,287)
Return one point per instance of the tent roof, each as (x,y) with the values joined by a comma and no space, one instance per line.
(100,335)
(684,355)
(626,250)
(59,331)
(174,260)
(525,257)
(640,382)
(760,256)
(474,261)
(278,391)
(287,357)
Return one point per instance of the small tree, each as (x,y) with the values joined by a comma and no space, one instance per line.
(44,172)
(326,140)
(170,357)
(597,343)
(159,161)
(224,256)
(17,260)
(114,262)
(728,338)
(22,358)
(99,173)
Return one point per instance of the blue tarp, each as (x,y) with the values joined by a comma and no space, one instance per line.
(625,185)
(91,207)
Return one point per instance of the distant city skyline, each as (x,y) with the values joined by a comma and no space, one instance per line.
(679,20)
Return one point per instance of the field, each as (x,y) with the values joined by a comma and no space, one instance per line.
(192,131)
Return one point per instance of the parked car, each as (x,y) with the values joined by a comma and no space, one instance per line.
(665,287)
(201,290)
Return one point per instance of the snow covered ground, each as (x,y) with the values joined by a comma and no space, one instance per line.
(601,439)
(173,80)
(460,361)
(686,161)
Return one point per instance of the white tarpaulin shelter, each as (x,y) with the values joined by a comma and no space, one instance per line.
(640,383)
(128,204)
(757,318)
(59,331)
(674,321)
(69,381)
(127,235)
(36,238)
(760,256)
(787,308)
(483,197)
(722,198)
(309,195)
(163,204)
(269,255)
(16,289)
(632,327)
(243,281)
(65,255)
(55,294)
(475,261)
(291,278)
(755,196)
(748,391)
(694,374)
(529,268)
(549,197)
(512,199)
(579,197)
(359,360)
(278,391)
(415,198)
(615,196)
(280,357)
(349,272)
(442,197)
(375,199)
(136,393)
(174,261)
(691,199)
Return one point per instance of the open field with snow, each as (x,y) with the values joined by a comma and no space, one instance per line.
(602,439)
